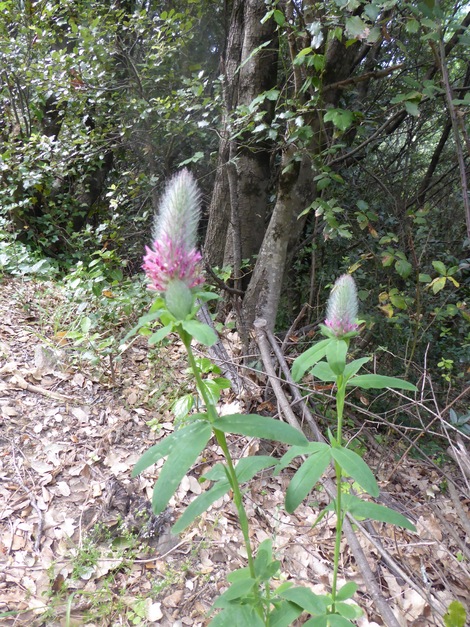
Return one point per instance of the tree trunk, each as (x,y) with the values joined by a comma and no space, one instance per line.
(264,291)
(247,74)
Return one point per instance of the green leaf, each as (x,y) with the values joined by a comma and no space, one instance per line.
(237,615)
(257,426)
(157,451)
(308,359)
(300,58)
(237,590)
(248,467)
(279,17)
(439,267)
(456,615)
(348,610)
(424,278)
(378,381)
(182,406)
(306,477)
(179,298)
(200,332)
(354,366)
(212,389)
(412,26)
(356,468)
(184,452)
(323,372)
(307,600)
(438,284)
(336,352)
(341,118)
(365,509)
(387,259)
(404,268)
(412,107)
(335,620)
(355,27)
(200,504)
(318,621)
(284,614)
(347,591)
(222,382)
(265,566)
(398,300)
(295,451)
(159,335)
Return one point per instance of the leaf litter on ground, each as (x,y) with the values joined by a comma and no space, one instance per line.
(71,429)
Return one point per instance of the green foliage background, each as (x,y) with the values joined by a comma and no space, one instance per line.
(101,102)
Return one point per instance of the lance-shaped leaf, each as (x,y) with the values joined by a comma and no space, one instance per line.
(356,468)
(354,366)
(336,352)
(306,477)
(159,335)
(182,454)
(160,450)
(257,426)
(378,381)
(315,604)
(246,469)
(324,372)
(308,359)
(295,451)
(365,509)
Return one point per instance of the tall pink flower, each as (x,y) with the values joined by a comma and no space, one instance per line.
(173,255)
(341,312)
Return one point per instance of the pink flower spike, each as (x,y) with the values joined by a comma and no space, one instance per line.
(173,254)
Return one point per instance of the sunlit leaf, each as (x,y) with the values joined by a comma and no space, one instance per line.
(356,468)
(377,381)
(365,509)
(306,477)
(257,426)
(308,359)
(200,332)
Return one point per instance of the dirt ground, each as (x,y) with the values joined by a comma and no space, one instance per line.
(70,435)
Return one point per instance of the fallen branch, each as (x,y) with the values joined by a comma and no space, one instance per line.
(20,382)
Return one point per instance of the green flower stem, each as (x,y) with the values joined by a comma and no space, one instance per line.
(211,410)
(340,397)
(232,475)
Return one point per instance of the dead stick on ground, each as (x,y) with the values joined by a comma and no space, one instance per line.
(291,418)
(20,382)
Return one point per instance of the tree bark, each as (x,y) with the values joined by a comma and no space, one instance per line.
(247,74)
(264,291)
